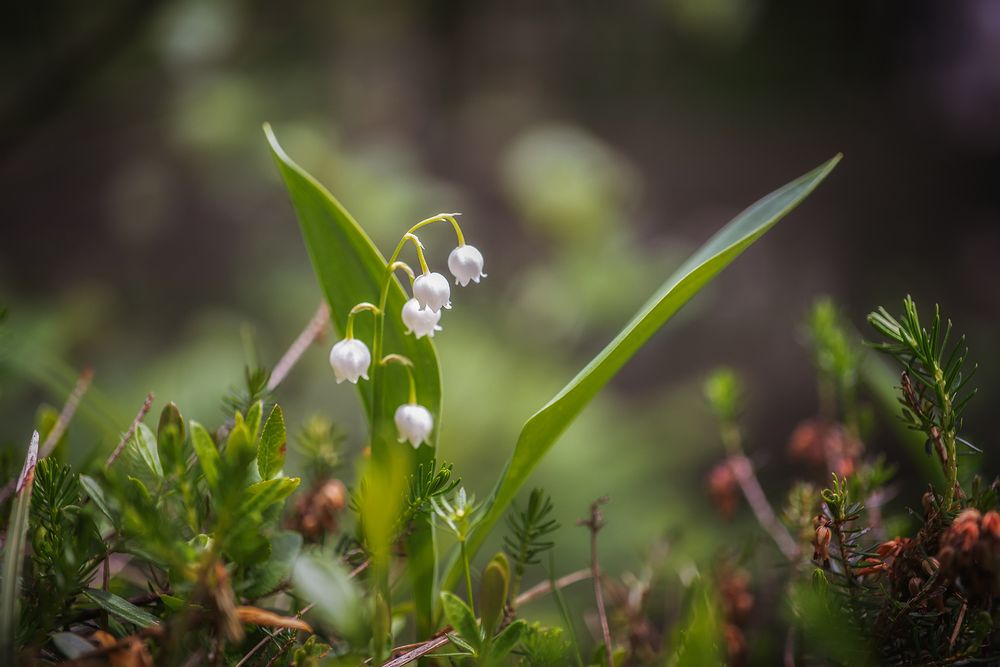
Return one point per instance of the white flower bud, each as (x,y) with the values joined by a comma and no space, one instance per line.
(466,263)
(431,290)
(350,359)
(414,423)
(419,322)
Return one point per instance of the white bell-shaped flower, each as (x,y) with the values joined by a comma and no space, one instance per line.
(431,290)
(466,263)
(419,322)
(350,359)
(414,423)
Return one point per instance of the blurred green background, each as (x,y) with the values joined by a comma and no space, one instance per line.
(590,148)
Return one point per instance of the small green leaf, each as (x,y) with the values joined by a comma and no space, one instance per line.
(121,608)
(460,617)
(144,443)
(543,428)
(258,497)
(254,415)
(170,438)
(208,454)
(505,642)
(240,448)
(70,645)
(96,494)
(145,497)
(271,452)
(173,603)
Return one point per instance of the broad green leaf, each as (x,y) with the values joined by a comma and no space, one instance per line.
(170,438)
(96,493)
(505,642)
(351,270)
(121,608)
(271,451)
(144,443)
(207,453)
(254,415)
(461,618)
(13,554)
(544,427)
(339,602)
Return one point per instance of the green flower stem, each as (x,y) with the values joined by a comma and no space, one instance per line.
(408,365)
(468,574)
(360,308)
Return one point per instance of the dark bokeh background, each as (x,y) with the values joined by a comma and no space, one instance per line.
(590,146)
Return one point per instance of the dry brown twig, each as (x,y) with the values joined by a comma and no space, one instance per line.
(314,331)
(143,411)
(62,422)
(594,523)
(752,491)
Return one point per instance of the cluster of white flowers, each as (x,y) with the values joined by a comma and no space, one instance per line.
(421,314)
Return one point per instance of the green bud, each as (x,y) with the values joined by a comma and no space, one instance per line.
(493,589)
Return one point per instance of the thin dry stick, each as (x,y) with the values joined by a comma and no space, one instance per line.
(440,637)
(62,422)
(313,331)
(82,384)
(541,588)
(421,650)
(754,494)
(958,626)
(355,572)
(143,411)
(594,524)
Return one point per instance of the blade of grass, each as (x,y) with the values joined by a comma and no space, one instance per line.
(13,556)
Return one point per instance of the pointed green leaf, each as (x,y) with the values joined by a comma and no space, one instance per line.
(13,554)
(121,608)
(262,495)
(271,452)
(144,444)
(542,430)
(240,446)
(460,617)
(254,415)
(351,270)
(96,494)
(505,642)
(170,438)
(207,453)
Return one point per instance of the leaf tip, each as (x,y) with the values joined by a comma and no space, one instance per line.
(28,471)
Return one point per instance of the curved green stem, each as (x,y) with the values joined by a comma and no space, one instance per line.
(360,308)
(408,365)
(442,217)
(468,575)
